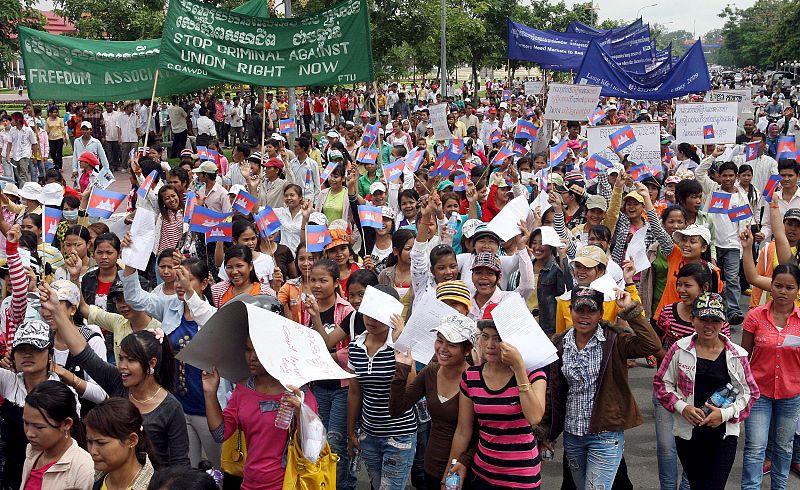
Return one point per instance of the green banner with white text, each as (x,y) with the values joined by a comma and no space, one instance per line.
(327,48)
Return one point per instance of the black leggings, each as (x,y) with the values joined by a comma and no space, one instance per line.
(707,458)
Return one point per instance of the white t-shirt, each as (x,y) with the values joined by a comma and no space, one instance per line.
(264,266)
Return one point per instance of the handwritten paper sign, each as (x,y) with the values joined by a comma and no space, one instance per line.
(380,306)
(533,88)
(571,102)
(692,122)
(516,325)
(441,131)
(417,336)
(646,149)
(143,231)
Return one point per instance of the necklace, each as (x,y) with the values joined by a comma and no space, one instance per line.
(145,401)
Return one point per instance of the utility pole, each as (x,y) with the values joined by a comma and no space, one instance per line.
(444,51)
(292,95)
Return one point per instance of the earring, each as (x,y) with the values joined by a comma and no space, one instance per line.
(150,371)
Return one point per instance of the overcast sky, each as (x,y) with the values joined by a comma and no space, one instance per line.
(699,16)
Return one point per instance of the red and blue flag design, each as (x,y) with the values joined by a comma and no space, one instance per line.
(191,202)
(640,172)
(558,153)
(594,165)
(460,182)
(740,213)
(668,155)
(267,222)
(367,155)
(507,94)
(414,159)
(103,203)
(287,125)
(244,202)
(50,219)
(786,147)
(719,203)
(598,115)
(329,168)
(317,236)
(147,185)
(501,156)
(370,135)
(222,232)
(203,219)
(772,185)
(202,153)
(393,170)
(526,129)
(751,151)
(520,149)
(708,132)
(370,216)
(496,136)
(622,138)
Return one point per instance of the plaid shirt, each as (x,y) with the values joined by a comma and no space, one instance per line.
(581,368)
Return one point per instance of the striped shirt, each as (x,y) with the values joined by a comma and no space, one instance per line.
(507,455)
(171,231)
(375,376)
(676,328)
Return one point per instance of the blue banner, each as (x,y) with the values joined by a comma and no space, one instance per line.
(581,28)
(689,75)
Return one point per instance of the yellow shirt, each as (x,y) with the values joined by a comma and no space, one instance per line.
(610,310)
(116,324)
(333,208)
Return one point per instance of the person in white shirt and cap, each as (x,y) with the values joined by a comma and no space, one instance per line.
(87,143)
(31,193)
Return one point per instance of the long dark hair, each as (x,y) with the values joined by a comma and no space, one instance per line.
(162,206)
(199,269)
(331,268)
(118,418)
(56,403)
(689,151)
(244,253)
(142,346)
(399,240)
(790,269)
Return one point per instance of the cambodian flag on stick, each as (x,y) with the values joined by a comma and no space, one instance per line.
(622,138)
(267,222)
(496,136)
(370,135)
(740,213)
(526,129)
(370,216)
(223,232)
(444,165)
(244,202)
(317,236)
(501,156)
(598,115)
(786,147)
(367,155)
(203,219)
(393,170)
(147,185)
(460,182)
(771,187)
(414,159)
(558,153)
(202,153)
(191,201)
(640,172)
(287,125)
(520,149)
(50,217)
(751,151)
(102,203)
(719,203)
(507,94)
(329,168)
(595,165)
(708,132)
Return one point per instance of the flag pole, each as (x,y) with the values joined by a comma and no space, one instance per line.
(263,125)
(150,110)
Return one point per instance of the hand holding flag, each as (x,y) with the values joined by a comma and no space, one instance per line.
(772,185)
(147,185)
(719,203)
(501,156)
(267,222)
(370,216)
(244,202)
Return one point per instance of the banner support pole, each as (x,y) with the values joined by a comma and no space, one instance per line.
(150,111)
(263,128)
(291,91)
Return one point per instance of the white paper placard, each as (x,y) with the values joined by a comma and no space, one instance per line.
(646,149)
(637,250)
(416,335)
(143,233)
(741,96)
(441,131)
(533,88)
(691,119)
(506,222)
(103,178)
(380,306)
(516,325)
(571,102)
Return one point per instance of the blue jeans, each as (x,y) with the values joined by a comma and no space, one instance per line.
(728,260)
(665,449)
(389,460)
(784,414)
(319,121)
(594,458)
(332,405)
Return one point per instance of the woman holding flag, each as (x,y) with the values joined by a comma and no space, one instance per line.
(333,201)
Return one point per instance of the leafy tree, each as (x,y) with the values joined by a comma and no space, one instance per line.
(750,36)
(15,13)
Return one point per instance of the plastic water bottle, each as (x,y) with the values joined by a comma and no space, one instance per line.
(721,398)
(449,230)
(453,479)
(284,417)
(355,463)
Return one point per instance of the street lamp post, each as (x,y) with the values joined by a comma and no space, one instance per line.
(444,51)
(639,12)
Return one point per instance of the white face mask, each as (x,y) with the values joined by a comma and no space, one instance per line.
(70,215)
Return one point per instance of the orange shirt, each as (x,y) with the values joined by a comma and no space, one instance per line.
(675,261)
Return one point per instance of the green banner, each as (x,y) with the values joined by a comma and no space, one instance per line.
(327,48)
(69,68)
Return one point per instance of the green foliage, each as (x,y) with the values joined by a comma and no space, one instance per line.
(118,20)
(761,35)
(15,13)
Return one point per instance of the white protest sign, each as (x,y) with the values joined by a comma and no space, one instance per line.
(542,202)
(291,353)
(741,96)
(516,325)
(380,306)
(533,88)
(416,335)
(706,123)
(506,222)
(103,178)
(646,149)
(143,232)
(441,131)
(571,102)
(637,250)
(606,285)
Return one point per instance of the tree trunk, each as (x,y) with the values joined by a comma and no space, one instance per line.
(475,85)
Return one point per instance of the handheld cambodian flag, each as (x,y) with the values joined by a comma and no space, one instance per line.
(367,155)
(317,236)
(202,153)
(598,115)
(772,185)
(370,135)
(191,202)
(786,147)
(520,149)
(668,155)
(50,219)
(719,203)
(622,138)
(496,136)
(267,222)
(460,182)
(103,203)
(244,202)
(640,172)
(501,156)
(708,132)
(751,151)
(370,216)
(558,153)
(740,213)
(594,165)
(287,125)
(147,185)
(393,170)
(507,94)
(444,165)
(456,149)
(583,145)
(203,219)
(414,159)
(526,129)
(530,111)
(222,232)
(329,168)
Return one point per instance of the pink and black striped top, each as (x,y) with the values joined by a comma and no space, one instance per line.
(507,455)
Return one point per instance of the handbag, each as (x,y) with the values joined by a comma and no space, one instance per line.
(302,474)
(234,454)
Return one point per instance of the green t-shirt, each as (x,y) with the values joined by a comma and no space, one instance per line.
(334,205)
